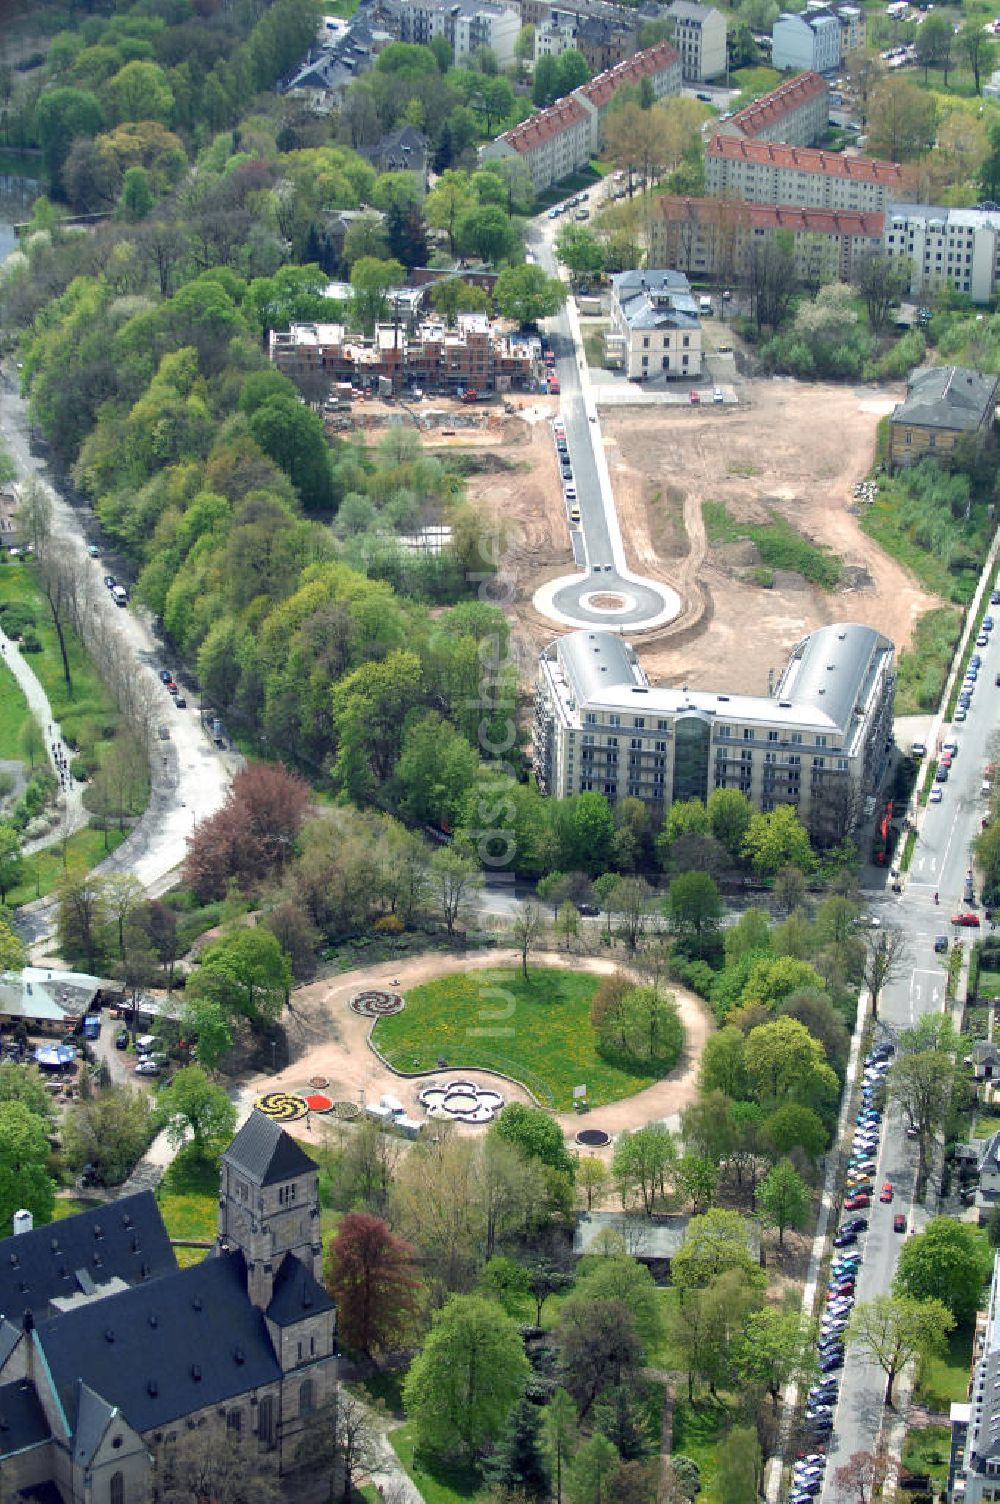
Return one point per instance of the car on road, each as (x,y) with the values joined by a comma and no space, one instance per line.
(940,944)
(694,398)
(93,550)
(886,1192)
(968,920)
(899,1222)
(121,1039)
(110,581)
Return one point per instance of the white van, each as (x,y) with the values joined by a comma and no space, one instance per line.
(705,303)
(120,595)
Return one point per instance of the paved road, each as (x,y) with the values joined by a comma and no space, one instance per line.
(941,860)
(597,543)
(189,777)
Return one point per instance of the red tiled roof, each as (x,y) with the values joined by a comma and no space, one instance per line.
(631,71)
(545,124)
(772,216)
(776,105)
(807,159)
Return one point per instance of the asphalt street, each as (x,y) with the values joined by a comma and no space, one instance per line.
(597,540)
(941,859)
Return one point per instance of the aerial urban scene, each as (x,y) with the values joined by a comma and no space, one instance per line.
(499,752)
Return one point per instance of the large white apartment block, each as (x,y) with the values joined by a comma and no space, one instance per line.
(796,112)
(853,26)
(808,41)
(557,142)
(974,1465)
(467,25)
(654,328)
(700,38)
(819,742)
(957,248)
(767,172)
(554,35)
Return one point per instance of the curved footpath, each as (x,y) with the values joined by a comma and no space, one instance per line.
(70,801)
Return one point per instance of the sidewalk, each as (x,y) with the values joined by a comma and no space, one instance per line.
(70,800)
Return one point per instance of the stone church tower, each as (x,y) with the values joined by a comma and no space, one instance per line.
(269,1205)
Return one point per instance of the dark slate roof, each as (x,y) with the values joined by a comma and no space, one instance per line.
(296,1294)
(22,1419)
(951,397)
(93,1416)
(161,1350)
(265,1153)
(125,1238)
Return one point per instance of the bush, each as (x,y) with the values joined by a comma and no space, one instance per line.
(389,924)
(695,974)
(83,768)
(900,359)
(16,617)
(30,641)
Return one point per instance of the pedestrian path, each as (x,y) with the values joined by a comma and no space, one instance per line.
(69,801)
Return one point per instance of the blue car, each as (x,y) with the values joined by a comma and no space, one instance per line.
(987,624)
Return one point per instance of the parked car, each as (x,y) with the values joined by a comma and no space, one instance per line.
(856,1224)
(147,1067)
(121,1039)
(694,398)
(93,550)
(846,1239)
(857,1202)
(936,794)
(940,944)
(110,581)
(180,702)
(968,920)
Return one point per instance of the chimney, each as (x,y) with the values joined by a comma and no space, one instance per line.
(23,1221)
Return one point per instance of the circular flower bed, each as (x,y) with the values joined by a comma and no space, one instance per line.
(376,1004)
(317,1102)
(462,1101)
(593,1138)
(286,1106)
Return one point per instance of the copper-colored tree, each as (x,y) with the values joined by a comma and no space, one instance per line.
(371,1275)
(252,836)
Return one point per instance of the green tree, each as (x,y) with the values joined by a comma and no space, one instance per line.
(599,1348)
(729,814)
(192,1104)
(518,1463)
(723,1064)
(694,908)
(623,1279)
(485,230)
(535,1133)
(12,953)
(31,742)
(139,91)
(469,1375)
(61,116)
(453,296)
(641,1162)
(778,1348)
(591,1471)
(895,1329)
(205,1021)
(783,1198)
(137,196)
(922,1081)
(714,1244)
(945,1262)
(527,293)
(246,973)
(24,1153)
(739,1466)
(933,44)
(781,1058)
(793,1126)
(580,250)
(697,1179)
(572,70)
(294,437)
(456,881)
(11,859)
(110,1131)
(592,1176)
(25,1083)
(561,1435)
(777,839)
(978,49)
(371,280)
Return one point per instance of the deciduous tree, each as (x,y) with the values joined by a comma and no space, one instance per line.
(372,1276)
(192,1104)
(895,1329)
(24,1153)
(945,1262)
(783,1198)
(470,1373)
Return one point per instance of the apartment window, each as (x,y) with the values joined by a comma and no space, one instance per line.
(745,756)
(614,720)
(821,741)
(796,738)
(636,744)
(659,746)
(725,732)
(772,736)
(908,436)
(663,725)
(589,719)
(747,734)
(612,741)
(819,762)
(645,343)
(640,722)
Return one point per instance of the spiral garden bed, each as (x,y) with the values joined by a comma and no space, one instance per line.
(374,1004)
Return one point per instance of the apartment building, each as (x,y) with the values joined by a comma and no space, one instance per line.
(554,35)
(715,238)
(974,1465)
(654,327)
(537,12)
(819,742)
(700,38)
(557,142)
(811,40)
(467,25)
(853,25)
(796,112)
(767,172)
(957,248)
(476,354)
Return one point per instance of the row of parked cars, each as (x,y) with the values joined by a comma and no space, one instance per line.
(566,468)
(809,1470)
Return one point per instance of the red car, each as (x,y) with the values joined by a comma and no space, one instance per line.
(857,1202)
(886,1193)
(971,921)
(899,1223)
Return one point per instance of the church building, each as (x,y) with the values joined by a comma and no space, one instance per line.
(110,1355)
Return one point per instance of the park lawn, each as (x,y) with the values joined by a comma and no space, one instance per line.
(440,1483)
(926,1450)
(13,714)
(942,1380)
(68,1206)
(45,869)
(667,1353)
(698,1429)
(88,699)
(752,82)
(188,1198)
(537,1031)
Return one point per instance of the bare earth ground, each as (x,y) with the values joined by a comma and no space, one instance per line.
(333,1043)
(797,448)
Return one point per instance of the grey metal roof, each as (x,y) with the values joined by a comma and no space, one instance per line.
(124,1240)
(22,1419)
(265,1153)
(951,397)
(595,661)
(830,670)
(645,311)
(687,10)
(159,1351)
(296,1294)
(656,279)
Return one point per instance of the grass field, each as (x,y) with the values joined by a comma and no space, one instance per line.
(698,1429)
(439,1483)
(538,1031)
(88,698)
(189,1196)
(779,544)
(921,670)
(13,714)
(46,869)
(942,1380)
(926,1451)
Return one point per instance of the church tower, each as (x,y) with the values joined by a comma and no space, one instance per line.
(269,1204)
